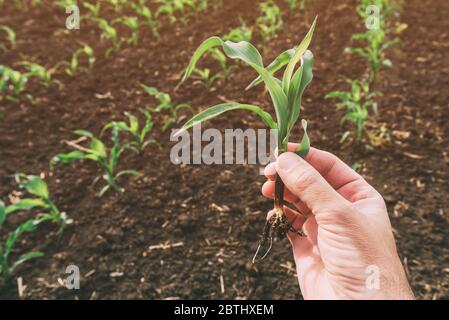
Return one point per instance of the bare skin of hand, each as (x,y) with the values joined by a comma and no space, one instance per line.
(349,251)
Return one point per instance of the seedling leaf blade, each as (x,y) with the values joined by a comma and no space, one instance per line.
(24,258)
(217,110)
(304,147)
(299,52)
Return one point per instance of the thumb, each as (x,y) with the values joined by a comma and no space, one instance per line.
(305,182)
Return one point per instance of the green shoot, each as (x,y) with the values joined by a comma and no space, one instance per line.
(110,33)
(357,104)
(165,103)
(270,22)
(39,189)
(94,9)
(10,36)
(97,152)
(7,268)
(242,33)
(37,71)
(286,94)
(133,24)
(133,128)
(73,66)
(145,12)
(12,82)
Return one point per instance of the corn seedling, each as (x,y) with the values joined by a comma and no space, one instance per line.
(94,9)
(8,267)
(170,7)
(133,24)
(166,104)
(133,128)
(270,22)
(110,33)
(356,104)
(10,36)
(373,52)
(12,82)
(71,68)
(97,152)
(142,10)
(242,33)
(38,188)
(286,95)
(117,5)
(37,71)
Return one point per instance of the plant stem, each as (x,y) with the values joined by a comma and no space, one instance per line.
(279,186)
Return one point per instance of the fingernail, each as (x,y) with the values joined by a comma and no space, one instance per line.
(287,160)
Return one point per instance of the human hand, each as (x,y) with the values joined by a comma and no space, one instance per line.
(349,251)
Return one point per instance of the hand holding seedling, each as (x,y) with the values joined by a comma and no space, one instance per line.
(349,235)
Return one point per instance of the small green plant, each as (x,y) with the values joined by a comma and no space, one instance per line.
(133,24)
(110,33)
(10,36)
(374,51)
(166,104)
(270,22)
(38,188)
(97,152)
(133,128)
(142,10)
(242,33)
(357,103)
(286,95)
(94,9)
(8,267)
(206,78)
(12,82)
(71,68)
(37,71)
(117,5)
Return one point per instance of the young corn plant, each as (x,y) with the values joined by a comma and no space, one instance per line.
(166,104)
(7,267)
(38,188)
(138,133)
(374,51)
(10,36)
(117,5)
(12,83)
(97,152)
(270,22)
(72,67)
(242,33)
(37,71)
(357,104)
(286,95)
(94,9)
(110,33)
(142,10)
(133,24)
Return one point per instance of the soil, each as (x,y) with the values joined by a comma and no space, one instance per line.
(190,231)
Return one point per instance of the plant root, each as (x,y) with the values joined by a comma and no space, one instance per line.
(277,226)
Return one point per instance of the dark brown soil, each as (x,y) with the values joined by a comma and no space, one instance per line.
(215,214)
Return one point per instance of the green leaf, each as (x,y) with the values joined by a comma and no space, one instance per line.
(202,49)
(26,204)
(300,50)
(2,213)
(274,66)
(34,185)
(301,79)
(217,110)
(133,123)
(66,158)
(98,147)
(246,52)
(304,147)
(129,172)
(27,226)
(24,258)
(84,133)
